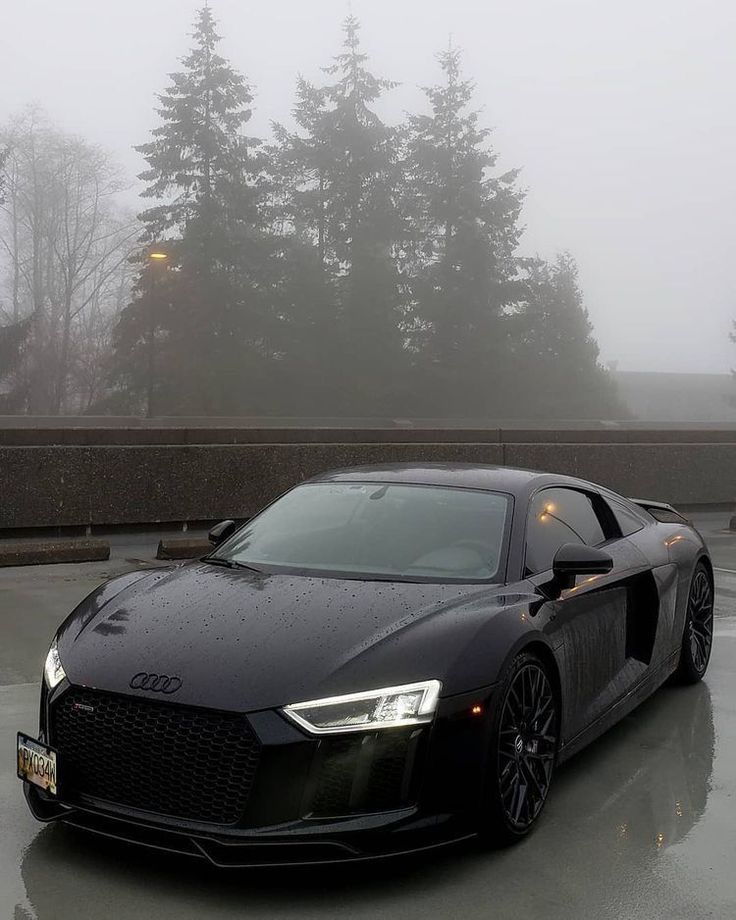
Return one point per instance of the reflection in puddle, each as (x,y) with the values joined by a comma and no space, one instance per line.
(645,785)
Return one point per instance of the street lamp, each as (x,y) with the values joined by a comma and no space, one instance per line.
(155,256)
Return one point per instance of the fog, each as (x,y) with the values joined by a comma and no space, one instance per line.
(620,117)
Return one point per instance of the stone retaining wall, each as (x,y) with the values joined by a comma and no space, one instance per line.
(54,477)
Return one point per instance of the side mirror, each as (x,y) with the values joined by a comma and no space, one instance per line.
(573,559)
(221,532)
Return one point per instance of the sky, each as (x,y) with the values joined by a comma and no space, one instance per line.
(621,116)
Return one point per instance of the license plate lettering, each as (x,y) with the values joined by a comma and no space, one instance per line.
(36,764)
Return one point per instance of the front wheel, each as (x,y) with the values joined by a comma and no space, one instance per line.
(524,741)
(697,639)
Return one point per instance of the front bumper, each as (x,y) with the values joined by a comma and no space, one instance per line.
(358,840)
(280,826)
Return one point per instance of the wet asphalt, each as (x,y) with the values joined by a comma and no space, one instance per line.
(640,826)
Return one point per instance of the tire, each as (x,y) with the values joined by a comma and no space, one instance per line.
(524,739)
(697,636)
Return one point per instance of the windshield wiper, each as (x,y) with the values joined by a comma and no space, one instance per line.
(231,564)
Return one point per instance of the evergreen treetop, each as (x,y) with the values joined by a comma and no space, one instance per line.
(466,229)
(198,153)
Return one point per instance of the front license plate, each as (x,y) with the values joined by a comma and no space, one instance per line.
(36,763)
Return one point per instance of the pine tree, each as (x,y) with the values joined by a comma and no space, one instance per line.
(198,152)
(554,350)
(208,318)
(466,232)
(305,162)
(342,169)
(301,165)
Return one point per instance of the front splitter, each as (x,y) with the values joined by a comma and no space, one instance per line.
(242,852)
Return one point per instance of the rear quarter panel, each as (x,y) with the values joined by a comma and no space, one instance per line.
(674,551)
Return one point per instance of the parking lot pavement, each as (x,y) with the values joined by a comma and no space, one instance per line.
(640,826)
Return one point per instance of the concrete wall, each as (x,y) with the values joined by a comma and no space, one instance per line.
(53,476)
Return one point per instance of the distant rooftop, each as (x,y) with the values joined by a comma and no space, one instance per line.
(678,397)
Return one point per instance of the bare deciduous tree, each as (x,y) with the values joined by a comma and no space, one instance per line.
(64,243)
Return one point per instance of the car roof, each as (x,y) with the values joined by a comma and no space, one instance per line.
(458,475)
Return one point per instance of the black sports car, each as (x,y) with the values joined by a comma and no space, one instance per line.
(385,659)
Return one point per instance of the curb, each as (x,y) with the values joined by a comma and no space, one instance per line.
(183,548)
(48,552)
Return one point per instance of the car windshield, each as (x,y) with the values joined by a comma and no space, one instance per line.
(377,530)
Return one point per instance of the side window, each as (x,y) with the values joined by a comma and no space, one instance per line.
(558,516)
(627,520)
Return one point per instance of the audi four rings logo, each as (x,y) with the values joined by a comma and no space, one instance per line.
(158,683)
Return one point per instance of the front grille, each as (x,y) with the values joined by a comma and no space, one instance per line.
(366,773)
(178,761)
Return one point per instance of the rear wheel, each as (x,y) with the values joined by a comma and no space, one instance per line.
(524,741)
(697,638)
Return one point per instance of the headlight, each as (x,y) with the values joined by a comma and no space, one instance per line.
(410,704)
(52,670)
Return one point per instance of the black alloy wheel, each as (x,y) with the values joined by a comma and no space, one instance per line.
(524,750)
(697,639)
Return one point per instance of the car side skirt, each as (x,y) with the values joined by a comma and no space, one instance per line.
(642,691)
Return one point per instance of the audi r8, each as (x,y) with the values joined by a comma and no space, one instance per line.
(385,659)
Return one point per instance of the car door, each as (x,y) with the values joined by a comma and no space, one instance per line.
(590,619)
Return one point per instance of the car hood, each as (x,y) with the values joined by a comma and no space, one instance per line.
(243,641)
